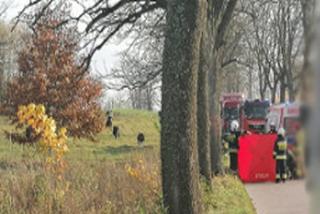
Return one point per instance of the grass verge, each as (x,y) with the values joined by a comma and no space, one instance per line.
(106,176)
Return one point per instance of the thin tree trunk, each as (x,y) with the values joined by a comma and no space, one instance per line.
(273,94)
(216,165)
(282,88)
(179,157)
(250,84)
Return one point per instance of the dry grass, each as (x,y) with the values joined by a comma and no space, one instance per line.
(87,188)
(108,176)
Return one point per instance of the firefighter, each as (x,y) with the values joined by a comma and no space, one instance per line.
(232,141)
(273,129)
(280,155)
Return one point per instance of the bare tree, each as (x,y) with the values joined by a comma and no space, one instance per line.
(274,36)
(10,45)
(102,20)
(140,72)
(4,6)
(219,16)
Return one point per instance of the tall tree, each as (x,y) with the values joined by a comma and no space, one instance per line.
(49,74)
(203,123)
(180,172)
(308,9)
(219,16)
(129,17)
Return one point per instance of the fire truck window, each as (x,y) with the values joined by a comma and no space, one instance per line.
(231,113)
(256,112)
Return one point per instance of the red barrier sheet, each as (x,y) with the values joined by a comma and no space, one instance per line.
(255,159)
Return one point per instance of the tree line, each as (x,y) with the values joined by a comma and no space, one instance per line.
(194,50)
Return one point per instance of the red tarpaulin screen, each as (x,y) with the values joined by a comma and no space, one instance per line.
(255,159)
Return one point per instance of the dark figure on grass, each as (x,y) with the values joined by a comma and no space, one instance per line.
(280,150)
(116,132)
(109,119)
(140,138)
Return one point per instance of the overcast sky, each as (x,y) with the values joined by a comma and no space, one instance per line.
(106,58)
(103,61)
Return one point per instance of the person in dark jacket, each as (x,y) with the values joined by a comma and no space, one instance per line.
(232,141)
(280,150)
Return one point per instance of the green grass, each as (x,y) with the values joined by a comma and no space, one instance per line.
(99,181)
(227,196)
(131,122)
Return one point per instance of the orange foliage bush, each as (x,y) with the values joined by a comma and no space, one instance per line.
(49,74)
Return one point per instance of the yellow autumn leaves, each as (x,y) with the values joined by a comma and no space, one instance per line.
(146,176)
(52,142)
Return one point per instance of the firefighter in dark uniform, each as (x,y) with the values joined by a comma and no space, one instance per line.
(280,154)
(233,146)
(273,129)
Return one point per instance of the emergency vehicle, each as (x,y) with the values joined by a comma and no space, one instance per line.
(254,115)
(284,116)
(231,106)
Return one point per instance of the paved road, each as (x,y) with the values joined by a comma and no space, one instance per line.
(288,198)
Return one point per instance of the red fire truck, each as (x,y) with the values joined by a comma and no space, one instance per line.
(285,116)
(254,115)
(231,105)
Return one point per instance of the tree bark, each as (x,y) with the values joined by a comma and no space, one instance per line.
(282,88)
(308,15)
(250,84)
(216,165)
(218,22)
(179,157)
(203,112)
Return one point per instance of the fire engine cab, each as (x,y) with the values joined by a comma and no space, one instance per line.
(231,104)
(284,116)
(254,115)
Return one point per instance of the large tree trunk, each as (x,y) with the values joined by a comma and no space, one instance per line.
(308,15)
(180,170)
(203,112)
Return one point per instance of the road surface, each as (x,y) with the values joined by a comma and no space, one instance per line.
(288,198)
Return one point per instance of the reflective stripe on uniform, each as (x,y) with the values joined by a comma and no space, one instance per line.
(284,176)
(230,138)
(281,157)
(278,176)
(282,145)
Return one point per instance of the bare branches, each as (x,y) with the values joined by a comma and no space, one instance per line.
(3,8)
(102,20)
(274,36)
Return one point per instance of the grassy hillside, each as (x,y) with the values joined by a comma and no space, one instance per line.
(105,176)
(131,122)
